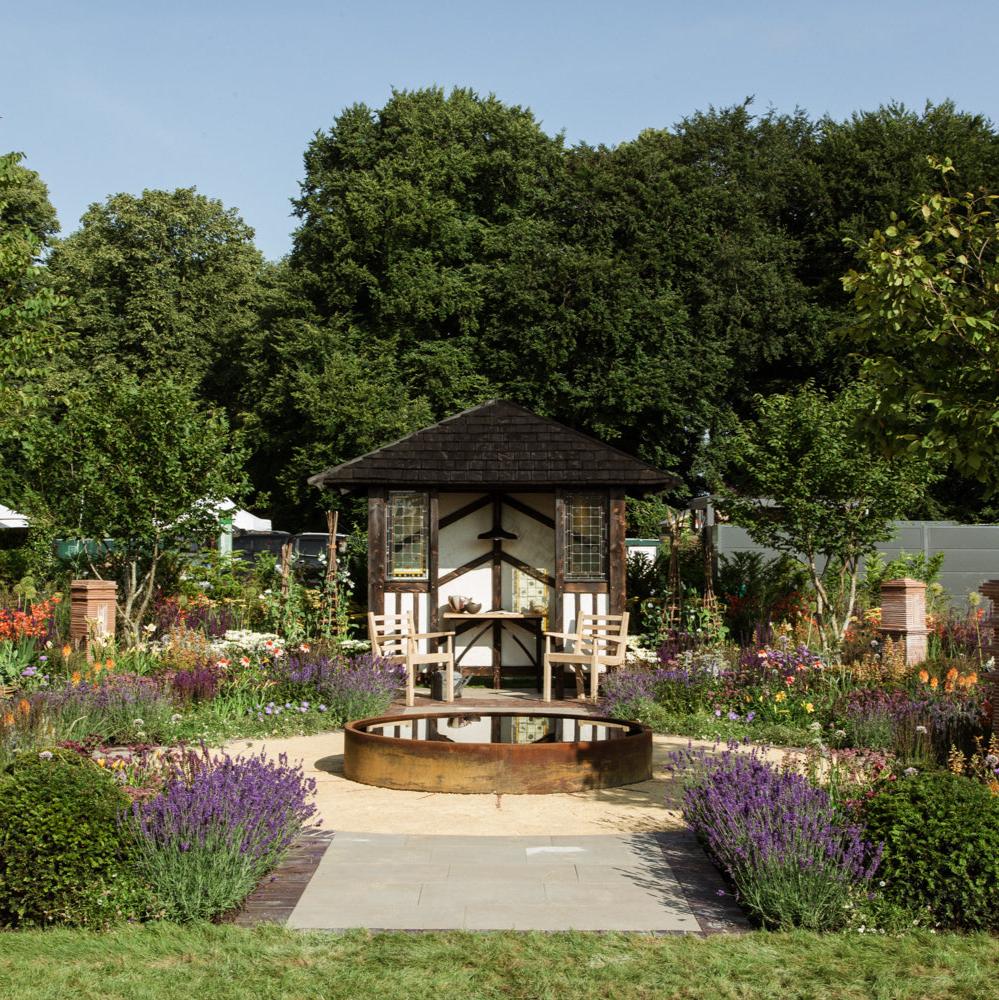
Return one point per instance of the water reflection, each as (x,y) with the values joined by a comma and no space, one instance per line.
(520,729)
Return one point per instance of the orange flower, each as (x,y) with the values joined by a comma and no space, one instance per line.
(972,679)
(8,718)
(933,683)
(924,676)
(76,677)
(952,673)
(66,651)
(109,664)
(23,707)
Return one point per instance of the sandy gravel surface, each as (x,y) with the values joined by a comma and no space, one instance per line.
(348,806)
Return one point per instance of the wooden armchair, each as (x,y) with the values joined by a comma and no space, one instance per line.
(394,638)
(600,644)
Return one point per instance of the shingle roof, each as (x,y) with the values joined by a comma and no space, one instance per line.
(499,444)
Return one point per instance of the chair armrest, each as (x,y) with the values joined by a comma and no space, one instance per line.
(431,635)
(560,635)
(615,638)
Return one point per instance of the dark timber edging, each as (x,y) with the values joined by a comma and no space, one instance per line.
(707,895)
(274,899)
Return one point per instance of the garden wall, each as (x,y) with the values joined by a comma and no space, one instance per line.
(971,551)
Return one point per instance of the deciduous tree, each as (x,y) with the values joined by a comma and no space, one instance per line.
(927,299)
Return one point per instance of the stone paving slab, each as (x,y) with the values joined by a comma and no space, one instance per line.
(635,882)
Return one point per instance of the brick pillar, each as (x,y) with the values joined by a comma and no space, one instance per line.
(990,591)
(92,611)
(903,616)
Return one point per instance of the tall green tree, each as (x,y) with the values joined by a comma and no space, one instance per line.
(163,282)
(314,393)
(804,481)
(927,324)
(30,313)
(139,462)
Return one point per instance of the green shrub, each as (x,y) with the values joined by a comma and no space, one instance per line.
(941,847)
(62,854)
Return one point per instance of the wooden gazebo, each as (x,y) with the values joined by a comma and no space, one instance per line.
(519,513)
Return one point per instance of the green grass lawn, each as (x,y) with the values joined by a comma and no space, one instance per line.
(167,962)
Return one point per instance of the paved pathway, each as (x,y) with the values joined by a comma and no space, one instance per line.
(638,882)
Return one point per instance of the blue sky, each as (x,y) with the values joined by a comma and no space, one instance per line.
(108,96)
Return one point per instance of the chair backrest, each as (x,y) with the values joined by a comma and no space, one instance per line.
(593,631)
(389,634)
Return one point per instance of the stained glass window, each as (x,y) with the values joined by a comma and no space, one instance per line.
(407,536)
(585,538)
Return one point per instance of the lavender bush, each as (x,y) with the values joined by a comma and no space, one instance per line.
(679,685)
(218,826)
(793,860)
(350,687)
(121,708)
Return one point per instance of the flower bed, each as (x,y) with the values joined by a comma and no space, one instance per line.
(791,856)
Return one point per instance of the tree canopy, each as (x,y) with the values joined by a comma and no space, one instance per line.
(813,487)
(449,250)
(161,283)
(927,297)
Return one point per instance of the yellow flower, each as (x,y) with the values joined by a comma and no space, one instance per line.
(809,707)
(76,677)
(780,696)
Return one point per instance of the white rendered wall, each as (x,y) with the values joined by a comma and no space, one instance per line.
(458,544)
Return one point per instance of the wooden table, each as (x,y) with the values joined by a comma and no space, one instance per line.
(530,621)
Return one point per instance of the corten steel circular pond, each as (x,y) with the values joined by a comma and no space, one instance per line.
(509,752)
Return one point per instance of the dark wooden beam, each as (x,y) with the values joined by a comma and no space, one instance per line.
(469,508)
(406,586)
(512,560)
(559,584)
(464,568)
(524,508)
(497,589)
(617,555)
(433,561)
(376,551)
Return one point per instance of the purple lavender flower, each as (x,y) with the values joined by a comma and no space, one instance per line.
(793,859)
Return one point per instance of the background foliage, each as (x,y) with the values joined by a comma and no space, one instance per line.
(448,250)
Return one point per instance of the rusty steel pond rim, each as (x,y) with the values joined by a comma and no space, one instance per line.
(401,762)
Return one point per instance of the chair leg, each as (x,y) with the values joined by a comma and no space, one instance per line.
(449,681)
(546,682)
(410,685)
(594,681)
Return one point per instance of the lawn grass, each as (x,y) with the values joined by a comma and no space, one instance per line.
(167,962)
